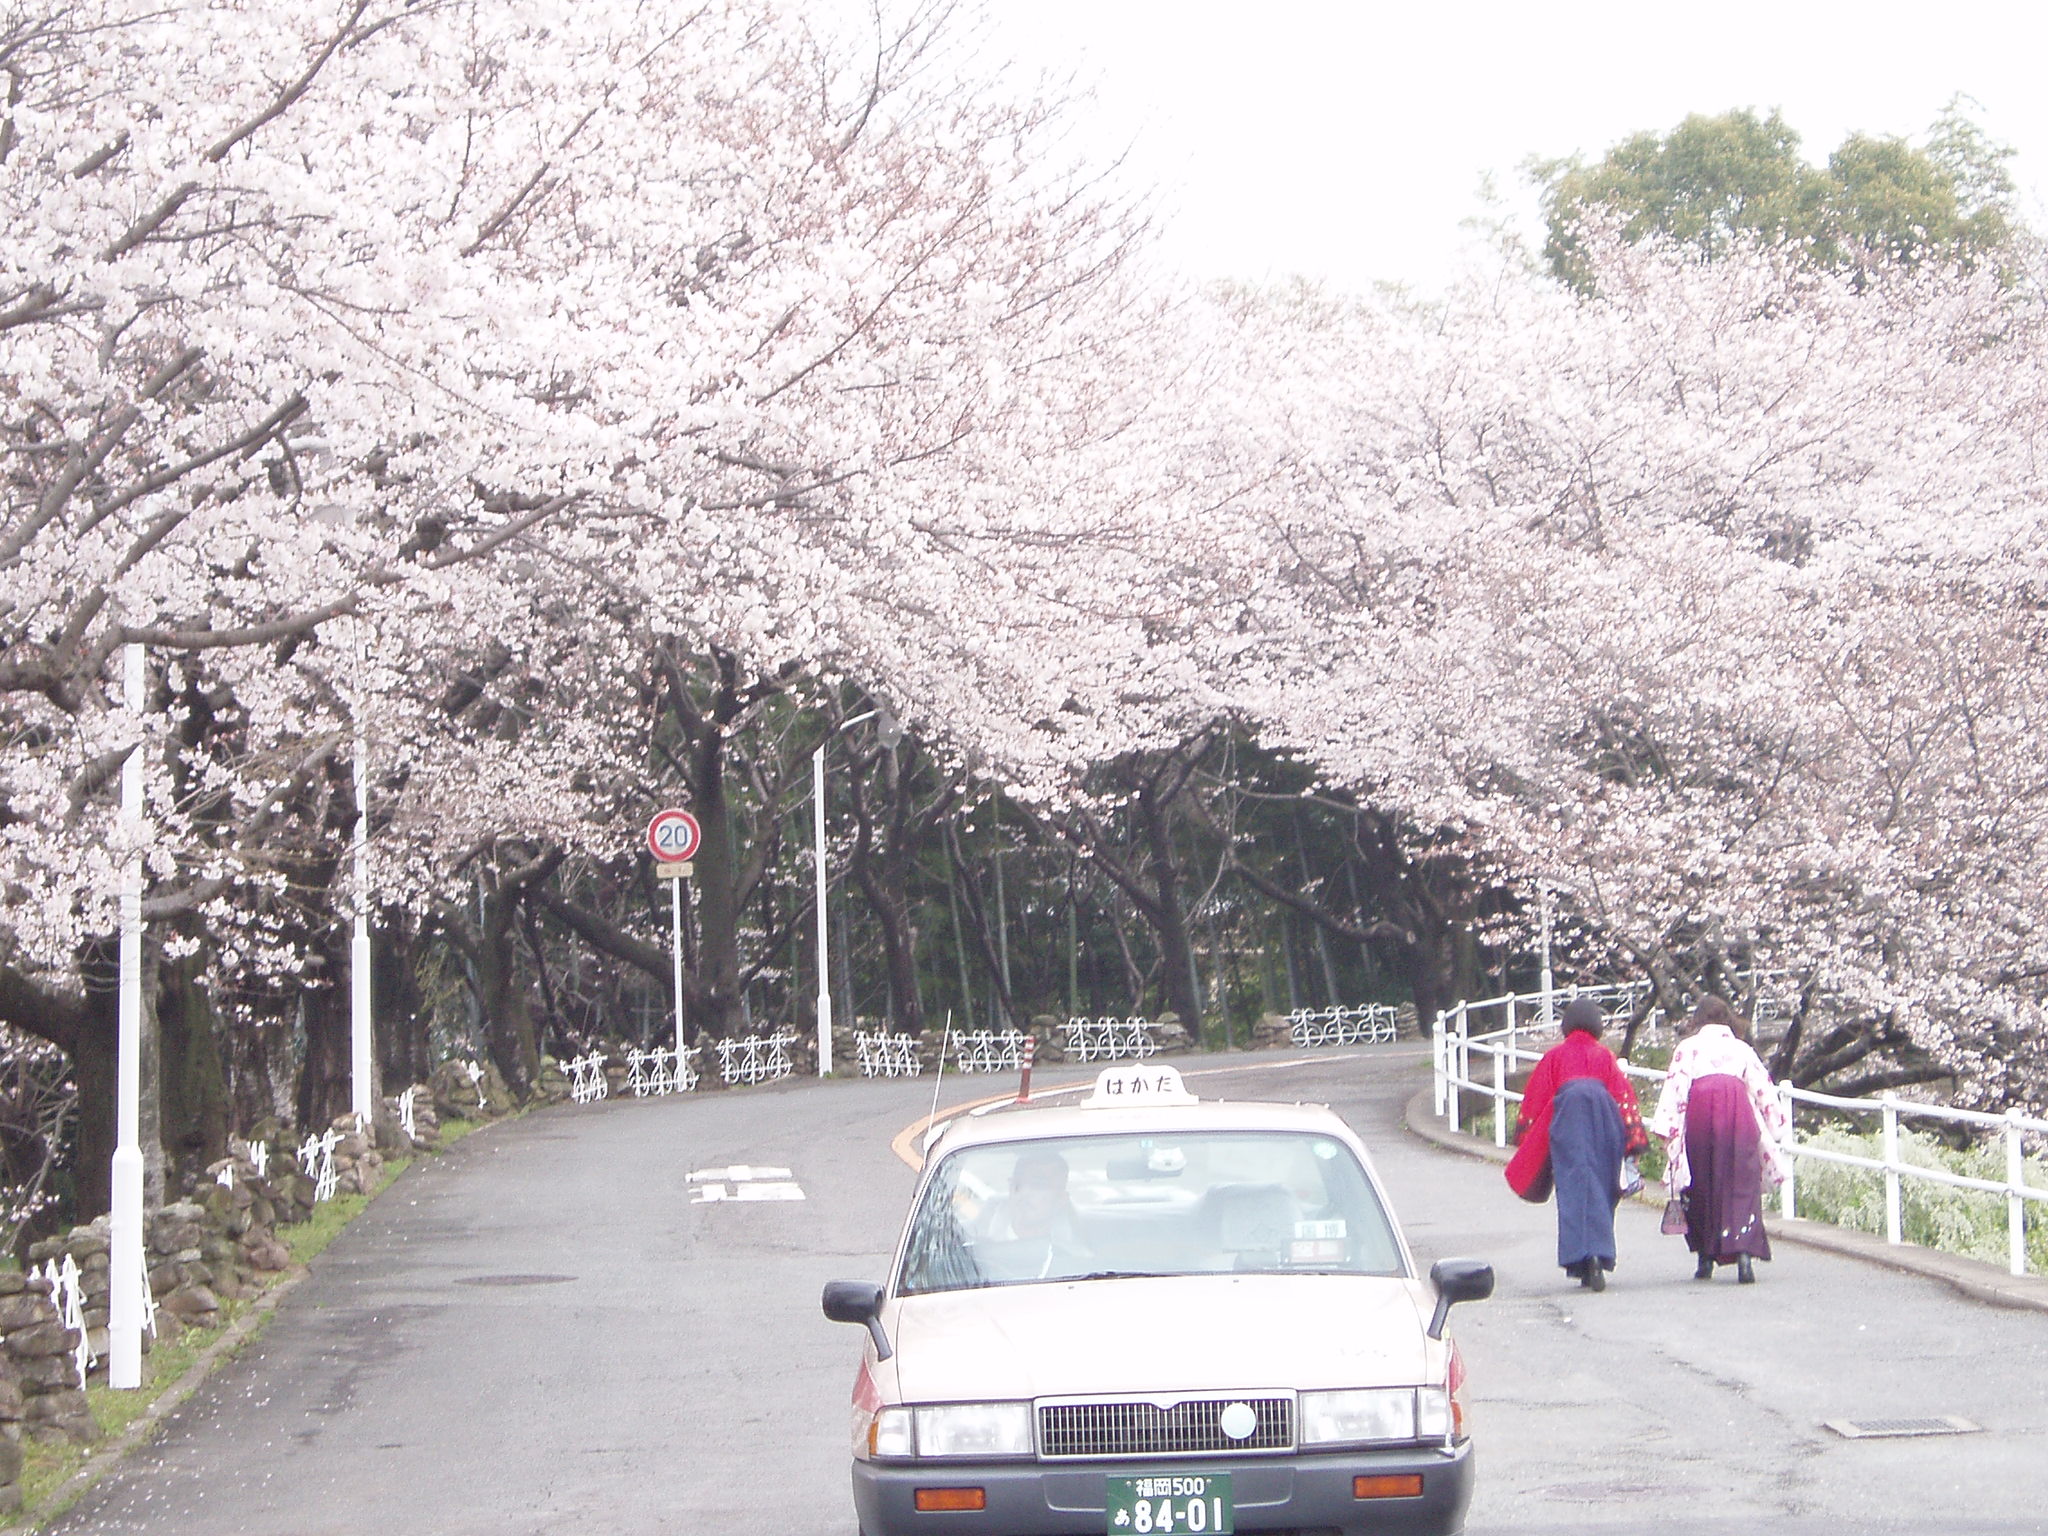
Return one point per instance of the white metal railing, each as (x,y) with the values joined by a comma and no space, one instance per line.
(1367,1024)
(659,1071)
(1521,1017)
(881,1054)
(756,1058)
(587,1082)
(1109,1039)
(987,1050)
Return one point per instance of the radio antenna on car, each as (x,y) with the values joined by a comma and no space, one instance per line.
(939,1078)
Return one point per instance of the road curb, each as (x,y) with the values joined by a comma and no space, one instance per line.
(1972,1277)
(109,1455)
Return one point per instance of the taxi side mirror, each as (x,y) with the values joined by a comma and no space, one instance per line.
(1457,1280)
(853,1301)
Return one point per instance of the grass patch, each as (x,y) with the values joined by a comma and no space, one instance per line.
(1968,1222)
(453,1131)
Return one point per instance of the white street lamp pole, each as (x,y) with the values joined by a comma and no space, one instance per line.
(1549,1006)
(889,732)
(360,1085)
(824,953)
(126,1270)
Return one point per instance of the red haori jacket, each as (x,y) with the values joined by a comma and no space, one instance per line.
(1577,1055)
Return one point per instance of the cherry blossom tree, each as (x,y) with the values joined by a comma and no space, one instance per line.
(1700,600)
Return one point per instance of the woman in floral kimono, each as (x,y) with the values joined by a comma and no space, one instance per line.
(1721,1119)
(1577,1120)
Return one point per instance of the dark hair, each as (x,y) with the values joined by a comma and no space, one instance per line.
(1582,1016)
(1713,1010)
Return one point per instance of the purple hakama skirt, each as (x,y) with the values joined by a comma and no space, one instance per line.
(1724,1204)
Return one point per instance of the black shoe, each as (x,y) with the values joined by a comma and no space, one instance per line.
(1596,1276)
(1704,1270)
(1745,1271)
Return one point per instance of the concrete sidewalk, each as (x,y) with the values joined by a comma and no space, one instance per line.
(1972,1277)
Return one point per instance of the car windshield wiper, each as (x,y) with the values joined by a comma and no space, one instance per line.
(1118,1274)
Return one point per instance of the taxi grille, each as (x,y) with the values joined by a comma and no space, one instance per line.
(1144,1429)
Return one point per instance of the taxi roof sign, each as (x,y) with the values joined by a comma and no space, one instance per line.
(1134,1087)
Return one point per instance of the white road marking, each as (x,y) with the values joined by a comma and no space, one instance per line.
(742,1181)
(739,1173)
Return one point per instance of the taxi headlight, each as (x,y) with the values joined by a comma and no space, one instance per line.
(975,1429)
(1354,1418)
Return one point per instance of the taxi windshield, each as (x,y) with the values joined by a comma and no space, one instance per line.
(1110,1207)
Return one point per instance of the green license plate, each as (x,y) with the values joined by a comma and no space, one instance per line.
(1171,1504)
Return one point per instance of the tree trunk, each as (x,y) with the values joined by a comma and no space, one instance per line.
(324,1074)
(509,1031)
(193,1077)
(1169,921)
(717,1003)
(398,1026)
(95,1057)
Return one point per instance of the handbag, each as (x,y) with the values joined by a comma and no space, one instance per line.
(1631,1177)
(1674,1217)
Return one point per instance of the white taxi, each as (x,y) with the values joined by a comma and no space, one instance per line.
(1146,1315)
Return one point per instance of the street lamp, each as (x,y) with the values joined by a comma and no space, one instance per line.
(362,1100)
(127,1270)
(889,732)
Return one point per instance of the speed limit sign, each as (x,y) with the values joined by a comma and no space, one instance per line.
(673,836)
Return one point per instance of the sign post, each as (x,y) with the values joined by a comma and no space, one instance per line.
(673,837)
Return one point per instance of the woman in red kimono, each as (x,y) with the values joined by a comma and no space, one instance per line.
(1578,1119)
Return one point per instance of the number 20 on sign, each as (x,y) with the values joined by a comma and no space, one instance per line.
(673,836)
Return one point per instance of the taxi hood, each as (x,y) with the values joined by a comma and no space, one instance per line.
(1186,1333)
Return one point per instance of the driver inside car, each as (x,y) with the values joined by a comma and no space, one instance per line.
(1033,1225)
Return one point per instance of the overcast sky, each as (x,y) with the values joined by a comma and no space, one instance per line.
(1347,141)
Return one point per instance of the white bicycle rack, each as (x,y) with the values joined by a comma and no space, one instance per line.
(316,1161)
(987,1050)
(1109,1039)
(882,1054)
(659,1071)
(756,1058)
(587,1082)
(1369,1024)
(67,1294)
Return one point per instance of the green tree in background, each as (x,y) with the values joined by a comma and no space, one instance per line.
(1712,180)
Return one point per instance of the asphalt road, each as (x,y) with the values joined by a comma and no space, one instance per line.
(547,1332)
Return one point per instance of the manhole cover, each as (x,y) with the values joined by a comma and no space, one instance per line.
(515,1280)
(1897,1429)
